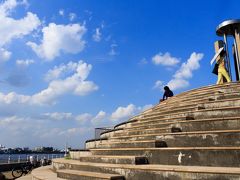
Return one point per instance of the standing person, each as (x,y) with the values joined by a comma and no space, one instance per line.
(167,93)
(222,73)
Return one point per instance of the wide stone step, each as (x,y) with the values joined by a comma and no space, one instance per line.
(85,175)
(129,144)
(186,126)
(156,124)
(212,88)
(205,97)
(177,102)
(158,120)
(194,156)
(207,102)
(154,172)
(143,131)
(198,140)
(110,133)
(201,111)
(178,140)
(115,159)
(197,114)
(153,136)
(202,104)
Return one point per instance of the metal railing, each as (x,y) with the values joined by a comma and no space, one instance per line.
(98,131)
(8,159)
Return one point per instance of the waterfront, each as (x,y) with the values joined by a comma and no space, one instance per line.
(11,158)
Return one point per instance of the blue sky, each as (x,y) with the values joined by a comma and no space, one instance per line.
(70,66)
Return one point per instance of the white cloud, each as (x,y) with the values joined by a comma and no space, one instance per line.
(38,130)
(126,112)
(113,52)
(4,55)
(82,118)
(60,133)
(192,64)
(58,116)
(72,16)
(148,106)
(61,12)
(158,85)
(14,98)
(7,121)
(72,132)
(123,112)
(24,63)
(175,84)
(99,117)
(7,6)
(15,28)
(58,39)
(179,80)
(73,84)
(97,35)
(59,71)
(165,59)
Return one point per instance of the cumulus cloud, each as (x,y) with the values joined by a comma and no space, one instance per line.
(75,83)
(97,35)
(14,98)
(188,67)
(58,116)
(15,28)
(175,84)
(59,39)
(39,130)
(82,118)
(24,63)
(123,112)
(7,121)
(165,59)
(158,85)
(4,55)
(180,78)
(61,70)
(99,117)
(128,111)
(105,118)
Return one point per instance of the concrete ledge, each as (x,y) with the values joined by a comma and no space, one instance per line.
(84,175)
(44,173)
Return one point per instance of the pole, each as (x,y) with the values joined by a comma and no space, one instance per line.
(237,57)
(237,48)
(227,56)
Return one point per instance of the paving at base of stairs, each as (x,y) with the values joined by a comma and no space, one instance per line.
(193,135)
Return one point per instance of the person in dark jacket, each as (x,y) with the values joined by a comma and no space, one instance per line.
(167,93)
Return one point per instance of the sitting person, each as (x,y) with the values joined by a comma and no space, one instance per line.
(167,93)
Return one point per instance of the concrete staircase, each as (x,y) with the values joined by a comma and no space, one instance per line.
(193,135)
